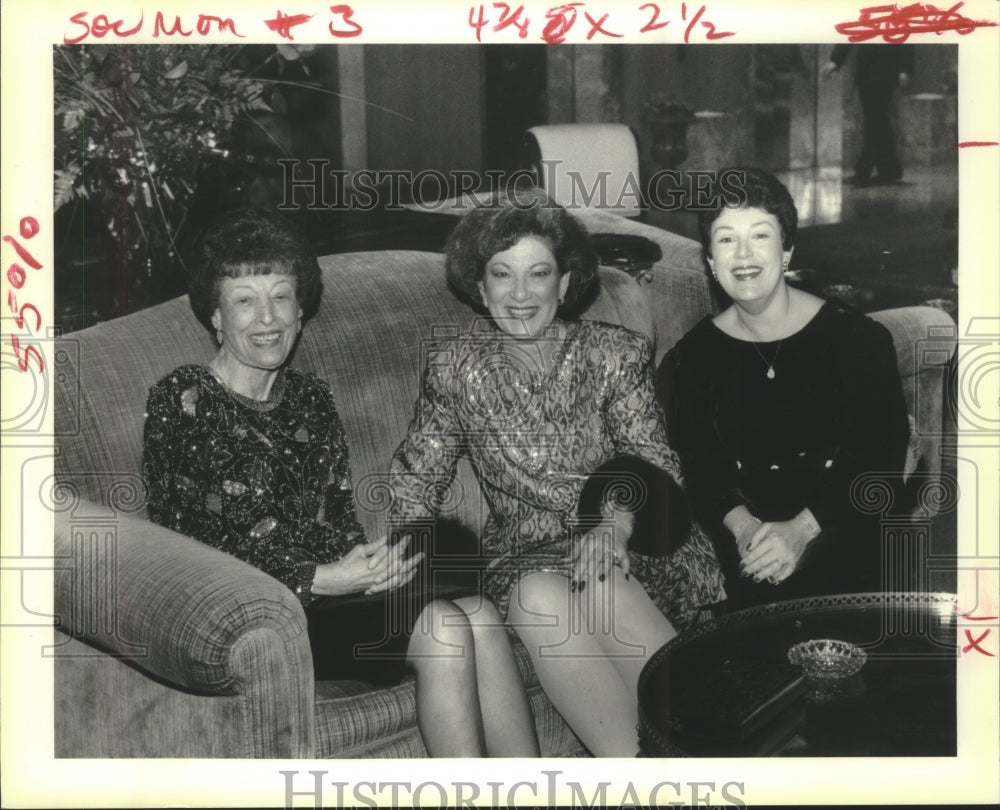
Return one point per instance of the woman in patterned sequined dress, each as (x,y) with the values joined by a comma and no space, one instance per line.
(537,402)
(249,456)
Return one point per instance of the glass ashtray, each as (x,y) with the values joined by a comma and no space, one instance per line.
(827,658)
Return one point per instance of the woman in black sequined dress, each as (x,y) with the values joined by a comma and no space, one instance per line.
(249,455)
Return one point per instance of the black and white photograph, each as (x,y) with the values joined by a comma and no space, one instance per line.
(515,384)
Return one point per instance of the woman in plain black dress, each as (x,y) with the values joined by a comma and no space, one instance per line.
(775,406)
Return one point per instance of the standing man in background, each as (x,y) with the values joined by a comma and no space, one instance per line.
(879,71)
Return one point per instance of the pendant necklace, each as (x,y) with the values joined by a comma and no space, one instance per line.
(770,364)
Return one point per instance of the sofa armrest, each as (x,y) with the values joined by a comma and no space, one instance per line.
(677,288)
(925,339)
(176,608)
(678,251)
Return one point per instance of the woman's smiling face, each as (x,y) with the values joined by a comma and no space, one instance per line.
(747,254)
(521,288)
(258,317)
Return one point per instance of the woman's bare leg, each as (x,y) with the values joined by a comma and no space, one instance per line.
(506,711)
(644,630)
(580,655)
(442,654)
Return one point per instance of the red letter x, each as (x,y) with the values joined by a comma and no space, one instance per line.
(595,26)
(974,643)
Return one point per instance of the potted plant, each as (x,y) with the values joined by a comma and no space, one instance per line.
(135,128)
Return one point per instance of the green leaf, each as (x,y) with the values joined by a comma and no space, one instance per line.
(177,71)
(62,188)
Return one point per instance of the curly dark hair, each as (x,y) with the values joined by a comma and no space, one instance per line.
(496,226)
(251,242)
(749,187)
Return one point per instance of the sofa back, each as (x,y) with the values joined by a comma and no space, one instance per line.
(378,312)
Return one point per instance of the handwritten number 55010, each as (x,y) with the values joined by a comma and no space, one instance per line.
(16,277)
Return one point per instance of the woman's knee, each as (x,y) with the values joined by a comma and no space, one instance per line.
(538,596)
(442,630)
(480,611)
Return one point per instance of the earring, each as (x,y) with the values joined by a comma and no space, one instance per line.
(562,298)
(784,266)
(218,336)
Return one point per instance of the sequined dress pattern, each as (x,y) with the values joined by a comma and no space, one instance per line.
(532,438)
(268,482)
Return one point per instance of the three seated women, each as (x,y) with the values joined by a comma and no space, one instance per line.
(247,454)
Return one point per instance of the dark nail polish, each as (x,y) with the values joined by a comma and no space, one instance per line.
(573,586)
(600,577)
(583,584)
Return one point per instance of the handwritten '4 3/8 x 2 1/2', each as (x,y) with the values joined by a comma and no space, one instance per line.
(560,19)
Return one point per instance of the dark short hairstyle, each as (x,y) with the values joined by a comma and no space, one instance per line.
(251,242)
(661,515)
(741,187)
(496,226)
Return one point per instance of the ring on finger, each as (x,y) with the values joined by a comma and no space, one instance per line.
(778,575)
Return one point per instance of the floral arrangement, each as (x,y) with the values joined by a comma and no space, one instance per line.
(134,124)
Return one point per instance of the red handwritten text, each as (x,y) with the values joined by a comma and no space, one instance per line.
(710,34)
(975,643)
(895,24)
(560,19)
(347,13)
(17,276)
(100,26)
(964,144)
(597,27)
(283,23)
(652,24)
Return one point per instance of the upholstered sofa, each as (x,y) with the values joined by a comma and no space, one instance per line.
(168,648)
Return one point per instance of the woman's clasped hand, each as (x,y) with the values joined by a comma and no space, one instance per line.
(371,568)
(773,550)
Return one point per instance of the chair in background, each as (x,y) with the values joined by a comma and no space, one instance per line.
(587,166)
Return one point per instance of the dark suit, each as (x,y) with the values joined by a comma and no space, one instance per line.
(876,76)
